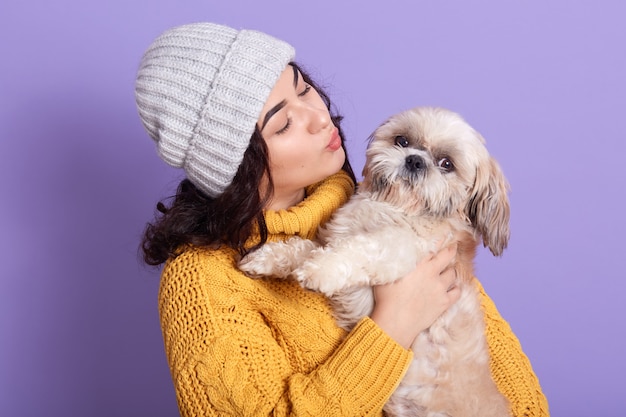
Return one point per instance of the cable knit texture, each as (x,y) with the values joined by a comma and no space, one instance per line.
(244,347)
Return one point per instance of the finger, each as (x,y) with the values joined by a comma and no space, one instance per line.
(448,276)
(454,294)
(445,257)
(439,245)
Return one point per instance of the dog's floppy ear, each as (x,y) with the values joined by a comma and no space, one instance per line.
(371,182)
(488,208)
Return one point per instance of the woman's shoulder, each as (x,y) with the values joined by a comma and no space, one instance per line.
(195,265)
(192,255)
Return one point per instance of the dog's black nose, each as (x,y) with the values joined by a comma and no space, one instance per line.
(414,163)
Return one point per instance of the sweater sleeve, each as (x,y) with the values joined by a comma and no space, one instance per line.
(357,380)
(510,367)
(226,366)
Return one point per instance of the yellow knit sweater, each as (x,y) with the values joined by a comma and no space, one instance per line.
(243,347)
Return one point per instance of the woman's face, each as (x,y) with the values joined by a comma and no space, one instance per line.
(303,143)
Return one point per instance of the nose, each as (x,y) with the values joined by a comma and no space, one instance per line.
(414,163)
(319,117)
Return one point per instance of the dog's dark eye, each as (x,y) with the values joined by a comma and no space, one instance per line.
(402,141)
(446,164)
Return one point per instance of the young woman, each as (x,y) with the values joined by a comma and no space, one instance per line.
(264,160)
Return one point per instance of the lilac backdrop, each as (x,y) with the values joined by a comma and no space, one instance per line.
(543,80)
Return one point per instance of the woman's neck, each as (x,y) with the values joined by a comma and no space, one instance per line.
(285,200)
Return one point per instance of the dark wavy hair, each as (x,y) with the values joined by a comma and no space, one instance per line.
(228,219)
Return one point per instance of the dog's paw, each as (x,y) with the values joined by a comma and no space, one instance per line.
(275,259)
(259,263)
(325,277)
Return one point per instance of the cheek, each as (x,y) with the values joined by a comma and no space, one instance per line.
(288,155)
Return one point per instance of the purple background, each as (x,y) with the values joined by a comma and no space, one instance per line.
(544,81)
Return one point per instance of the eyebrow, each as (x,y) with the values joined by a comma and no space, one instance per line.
(282,104)
(295,76)
(272,112)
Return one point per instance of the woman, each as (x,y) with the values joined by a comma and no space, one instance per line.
(265,160)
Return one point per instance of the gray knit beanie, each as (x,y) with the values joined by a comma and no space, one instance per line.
(200,89)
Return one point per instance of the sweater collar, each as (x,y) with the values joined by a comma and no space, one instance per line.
(303,219)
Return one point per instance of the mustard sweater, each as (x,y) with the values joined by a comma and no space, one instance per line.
(243,347)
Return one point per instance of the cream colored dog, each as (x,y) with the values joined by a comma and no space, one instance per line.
(428,178)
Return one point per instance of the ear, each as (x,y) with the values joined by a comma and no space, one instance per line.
(371,182)
(488,208)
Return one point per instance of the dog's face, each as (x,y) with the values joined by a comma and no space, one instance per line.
(429,161)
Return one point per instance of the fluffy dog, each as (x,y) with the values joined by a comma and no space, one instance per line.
(428,178)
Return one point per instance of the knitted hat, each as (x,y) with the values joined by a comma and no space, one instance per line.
(200,89)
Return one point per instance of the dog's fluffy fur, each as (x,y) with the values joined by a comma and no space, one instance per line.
(428,178)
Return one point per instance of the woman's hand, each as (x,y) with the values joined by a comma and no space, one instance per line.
(410,305)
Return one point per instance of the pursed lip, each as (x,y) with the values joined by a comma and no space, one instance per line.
(335,140)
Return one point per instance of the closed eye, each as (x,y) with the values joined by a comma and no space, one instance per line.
(307,88)
(285,128)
